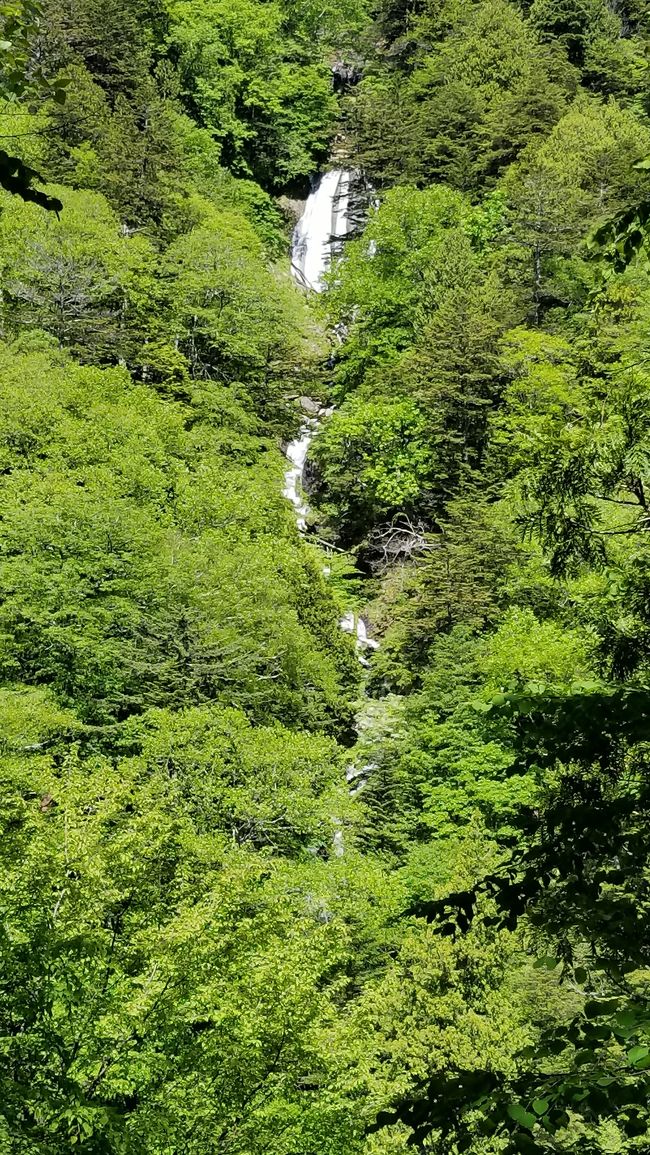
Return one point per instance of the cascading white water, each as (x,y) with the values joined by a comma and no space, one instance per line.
(316,239)
(314,242)
(297,451)
(324,220)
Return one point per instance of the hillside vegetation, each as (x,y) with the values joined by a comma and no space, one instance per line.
(210,944)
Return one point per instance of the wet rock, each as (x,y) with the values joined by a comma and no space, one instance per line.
(292,208)
(311,477)
(310,406)
(345,75)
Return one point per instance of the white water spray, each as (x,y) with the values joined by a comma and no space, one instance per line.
(325,221)
(296,452)
(317,240)
(350,623)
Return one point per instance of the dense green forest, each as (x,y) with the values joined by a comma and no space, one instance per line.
(257,898)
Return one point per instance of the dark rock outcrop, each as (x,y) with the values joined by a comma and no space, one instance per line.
(345,75)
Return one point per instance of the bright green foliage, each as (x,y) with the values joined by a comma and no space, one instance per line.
(374,460)
(76,276)
(465,575)
(164,983)
(230,316)
(579,875)
(479,85)
(257,75)
(530,721)
(542,395)
(511,579)
(209,307)
(128,546)
(23,74)
(118,133)
(439,1005)
(580,175)
(452,760)
(158,979)
(390,275)
(423,320)
(593,35)
(249,905)
(456,91)
(257,785)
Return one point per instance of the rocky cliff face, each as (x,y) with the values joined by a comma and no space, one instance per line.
(345,74)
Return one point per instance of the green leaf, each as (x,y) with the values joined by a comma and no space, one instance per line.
(596,1008)
(546,962)
(521,1116)
(540,1106)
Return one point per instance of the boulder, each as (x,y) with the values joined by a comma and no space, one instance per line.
(310,406)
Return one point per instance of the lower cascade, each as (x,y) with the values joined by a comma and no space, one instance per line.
(296,452)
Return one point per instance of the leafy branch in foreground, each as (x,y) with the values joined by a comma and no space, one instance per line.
(22,75)
(623,236)
(18,178)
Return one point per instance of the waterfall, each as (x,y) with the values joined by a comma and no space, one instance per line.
(325,221)
(316,240)
(350,623)
(296,452)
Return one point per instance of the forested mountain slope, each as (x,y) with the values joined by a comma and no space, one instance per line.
(209,943)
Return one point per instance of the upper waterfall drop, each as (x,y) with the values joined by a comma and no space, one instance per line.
(316,238)
(323,224)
